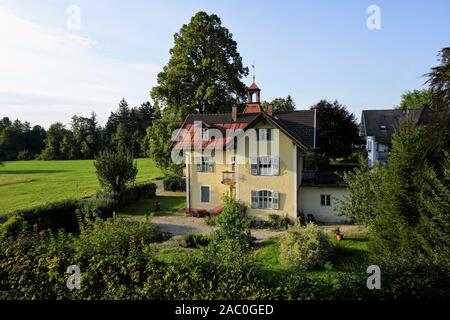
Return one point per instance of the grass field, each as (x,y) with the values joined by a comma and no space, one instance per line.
(24,184)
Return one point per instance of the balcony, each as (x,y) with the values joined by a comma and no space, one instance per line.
(228,178)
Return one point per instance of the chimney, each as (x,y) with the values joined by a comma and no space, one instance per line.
(270,110)
(234,113)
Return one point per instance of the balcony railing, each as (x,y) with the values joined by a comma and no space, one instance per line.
(228,178)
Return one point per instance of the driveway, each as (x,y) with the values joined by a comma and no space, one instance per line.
(179,224)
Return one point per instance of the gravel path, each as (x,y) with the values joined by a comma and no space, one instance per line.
(180,224)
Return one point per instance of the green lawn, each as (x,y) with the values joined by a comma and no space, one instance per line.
(25,184)
(349,255)
(168,205)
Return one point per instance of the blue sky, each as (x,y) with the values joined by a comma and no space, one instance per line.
(309,49)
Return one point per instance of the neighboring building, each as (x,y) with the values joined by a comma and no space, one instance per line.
(378,126)
(266,180)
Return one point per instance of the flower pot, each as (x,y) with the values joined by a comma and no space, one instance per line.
(339,237)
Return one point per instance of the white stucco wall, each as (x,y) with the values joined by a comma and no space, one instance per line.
(310,202)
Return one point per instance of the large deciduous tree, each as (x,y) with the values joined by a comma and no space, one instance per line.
(280,104)
(439,79)
(204,71)
(337,131)
(417,99)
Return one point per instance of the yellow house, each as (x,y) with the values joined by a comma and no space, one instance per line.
(260,158)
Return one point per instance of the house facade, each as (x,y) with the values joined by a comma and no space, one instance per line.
(259,157)
(378,126)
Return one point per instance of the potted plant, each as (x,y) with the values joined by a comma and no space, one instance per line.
(338,233)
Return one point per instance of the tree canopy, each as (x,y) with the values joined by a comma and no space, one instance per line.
(204,71)
(337,131)
(280,104)
(439,78)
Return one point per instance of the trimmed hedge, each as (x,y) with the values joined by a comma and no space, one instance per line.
(137,192)
(61,214)
(174,183)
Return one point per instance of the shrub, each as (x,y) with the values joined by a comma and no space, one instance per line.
(26,155)
(278,222)
(304,247)
(194,240)
(115,170)
(211,220)
(174,183)
(12,226)
(233,222)
(138,191)
(54,215)
(98,207)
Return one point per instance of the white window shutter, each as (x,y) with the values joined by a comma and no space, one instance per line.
(198,164)
(254,165)
(254,199)
(275,166)
(275,200)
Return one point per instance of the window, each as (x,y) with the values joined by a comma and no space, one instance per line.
(264,199)
(205,194)
(265,134)
(205,134)
(265,166)
(325,200)
(206,164)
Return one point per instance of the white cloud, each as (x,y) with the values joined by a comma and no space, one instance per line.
(48,74)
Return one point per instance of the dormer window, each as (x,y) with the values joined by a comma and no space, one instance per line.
(205,134)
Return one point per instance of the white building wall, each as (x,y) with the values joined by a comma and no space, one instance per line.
(311,203)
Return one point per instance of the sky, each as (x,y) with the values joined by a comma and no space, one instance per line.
(63,58)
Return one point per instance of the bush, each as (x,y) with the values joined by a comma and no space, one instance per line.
(174,183)
(139,191)
(211,221)
(26,155)
(304,247)
(278,222)
(12,226)
(194,240)
(54,215)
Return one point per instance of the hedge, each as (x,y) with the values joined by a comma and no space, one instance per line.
(174,183)
(61,214)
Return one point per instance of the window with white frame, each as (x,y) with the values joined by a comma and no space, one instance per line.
(265,199)
(265,134)
(205,194)
(204,164)
(325,200)
(265,166)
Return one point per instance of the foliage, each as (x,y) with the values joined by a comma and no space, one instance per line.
(439,79)
(412,204)
(115,170)
(278,222)
(337,130)
(55,149)
(175,183)
(204,71)
(17,137)
(12,226)
(234,226)
(304,247)
(194,240)
(139,191)
(158,141)
(359,206)
(417,99)
(280,104)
